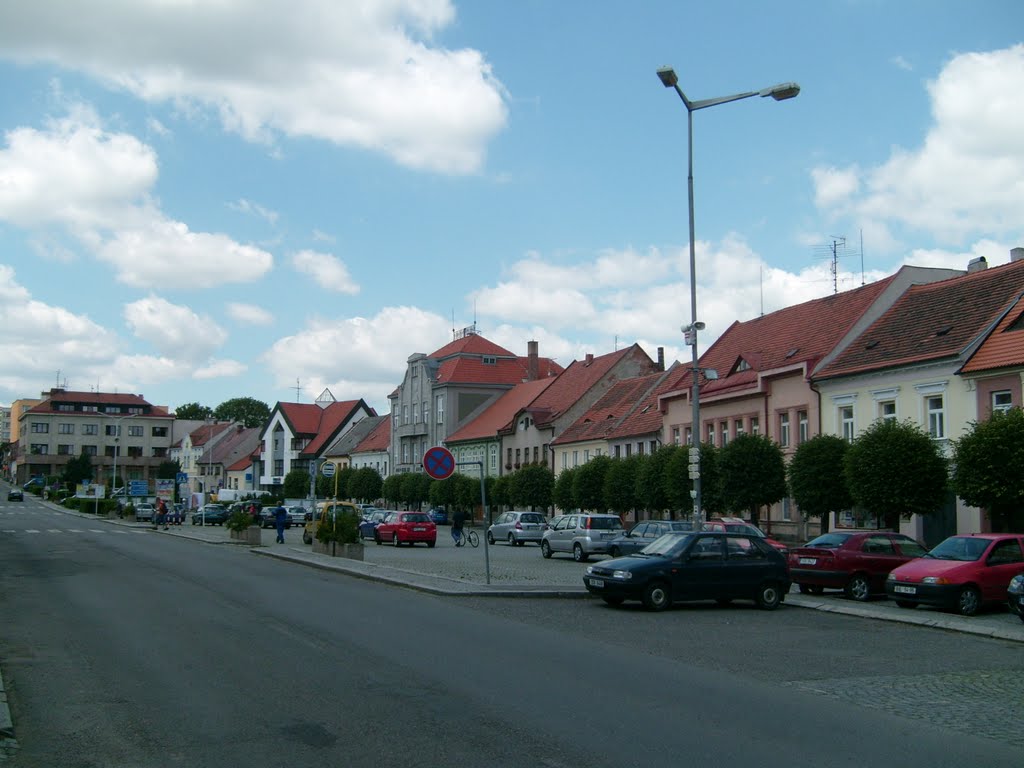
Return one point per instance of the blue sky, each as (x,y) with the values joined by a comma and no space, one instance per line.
(201,201)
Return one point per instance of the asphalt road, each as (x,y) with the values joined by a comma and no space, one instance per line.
(121,647)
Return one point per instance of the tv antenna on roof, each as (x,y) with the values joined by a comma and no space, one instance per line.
(835,250)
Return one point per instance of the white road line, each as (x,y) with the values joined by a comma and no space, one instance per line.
(12,531)
(31,530)
(76,530)
(54,530)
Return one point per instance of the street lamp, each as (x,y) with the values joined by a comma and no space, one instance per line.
(780,92)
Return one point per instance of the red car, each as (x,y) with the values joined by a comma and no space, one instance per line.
(739,525)
(855,562)
(406,528)
(962,573)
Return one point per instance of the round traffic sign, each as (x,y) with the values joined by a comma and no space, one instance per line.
(327,469)
(439,462)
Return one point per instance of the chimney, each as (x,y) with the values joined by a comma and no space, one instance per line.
(661,358)
(590,358)
(978,264)
(532,366)
(1016,254)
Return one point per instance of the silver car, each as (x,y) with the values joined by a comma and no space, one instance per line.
(518,528)
(583,534)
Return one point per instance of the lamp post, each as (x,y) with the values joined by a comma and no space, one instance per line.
(780,92)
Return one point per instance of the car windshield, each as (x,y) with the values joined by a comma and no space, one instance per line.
(829,541)
(416,517)
(964,548)
(605,523)
(532,518)
(666,545)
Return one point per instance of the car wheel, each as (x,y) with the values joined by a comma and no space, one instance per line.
(511,539)
(490,538)
(657,596)
(615,602)
(1021,615)
(306,538)
(968,601)
(394,539)
(857,588)
(377,538)
(578,554)
(616,552)
(905,604)
(769,596)
(545,549)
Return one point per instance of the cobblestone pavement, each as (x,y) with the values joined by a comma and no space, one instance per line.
(973,703)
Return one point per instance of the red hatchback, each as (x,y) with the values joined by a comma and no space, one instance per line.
(962,573)
(855,562)
(406,528)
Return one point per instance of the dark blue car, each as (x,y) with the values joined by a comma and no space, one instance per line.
(438,516)
(369,524)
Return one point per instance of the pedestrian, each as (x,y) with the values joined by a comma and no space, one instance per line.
(160,518)
(458,521)
(280,519)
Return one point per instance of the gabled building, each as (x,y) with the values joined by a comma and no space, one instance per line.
(195,455)
(913,363)
(527,437)
(373,450)
(297,435)
(340,451)
(450,387)
(479,441)
(764,369)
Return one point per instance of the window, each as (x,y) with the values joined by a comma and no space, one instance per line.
(784,430)
(490,360)
(688,436)
(618,452)
(536,454)
(654,445)
(112,409)
(887,410)
(586,455)
(639,449)
(279,467)
(787,509)
(90,429)
(89,450)
(40,449)
(846,422)
(755,426)
(405,414)
(135,431)
(396,414)
(801,426)
(65,407)
(508,459)
(426,412)
(494,458)
(65,450)
(1001,401)
(575,458)
(65,429)
(711,434)
(936,417)
(724,428)
(439,408)
(111,430)
(134,451)
(675,435)
(159,432)
(565,459)
(405,453)
(518,455)
(738,427)
(629,450)
(90,408)
(40,428)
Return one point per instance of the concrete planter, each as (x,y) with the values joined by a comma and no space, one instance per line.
(253,535)
(334,549)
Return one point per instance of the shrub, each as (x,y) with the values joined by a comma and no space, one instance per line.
(342,528)
(238,520)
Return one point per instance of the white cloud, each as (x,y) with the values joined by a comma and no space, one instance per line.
(353,73)
(249,314)
(254,209)
(964,180)
(220,369)
(328,271)
(176,331)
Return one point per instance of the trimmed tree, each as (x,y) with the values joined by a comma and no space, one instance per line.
(654,488)
(816,479)
(563,495)
(391,490)
(753,474)
(365,483)
(296,484)
(987,468)
(588,484)
(531,486)
(620,484)
(894,470)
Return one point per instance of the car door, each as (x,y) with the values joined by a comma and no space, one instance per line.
(1004,561)
(700,575)
(878,557)
(561,539)
(633,540)
(748,564)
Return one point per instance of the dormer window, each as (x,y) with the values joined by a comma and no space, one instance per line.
(741,365)
(490,360)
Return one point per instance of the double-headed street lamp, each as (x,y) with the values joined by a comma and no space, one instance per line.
(779,92)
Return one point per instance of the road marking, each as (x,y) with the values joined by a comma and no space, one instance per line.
(31,530)
(54,530)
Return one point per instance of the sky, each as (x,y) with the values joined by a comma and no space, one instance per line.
(204,201)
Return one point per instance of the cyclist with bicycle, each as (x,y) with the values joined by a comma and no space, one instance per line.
(458,521)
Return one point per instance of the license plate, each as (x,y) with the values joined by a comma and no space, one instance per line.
(807,561)
(607,535)
(595,582)
(902,590)
(419,529)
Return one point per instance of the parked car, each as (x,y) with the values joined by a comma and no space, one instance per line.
(643,533)
(517,528)
(210,514)
(855,562)
(144,512)
(583,534)
(268,517)
(1015,596)
(325,513)
(962,573)
(369,525)
(297,515)
(406,528)
(687,566)
(438,516)
(739,525)
(15,494)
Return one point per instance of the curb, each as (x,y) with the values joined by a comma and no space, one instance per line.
(8,744)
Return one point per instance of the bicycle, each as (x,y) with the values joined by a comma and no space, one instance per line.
(468,536)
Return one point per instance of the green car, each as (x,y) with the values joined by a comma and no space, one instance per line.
(210,514)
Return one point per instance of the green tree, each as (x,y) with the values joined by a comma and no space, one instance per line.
(415,488)
(987,468)
(78,470)
(365,484)
(296,484)
(442,493)
(653,483)
(816,480)
(620,484)
(498,492)
(894,469)
(563,495)
(531,486)
(588,485)
(467,492)
(193,412)
(753,473)
(712,481)
(391,490)
(247,411)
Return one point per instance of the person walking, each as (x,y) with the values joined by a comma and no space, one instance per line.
(280,519)
(458,521)
(160,517)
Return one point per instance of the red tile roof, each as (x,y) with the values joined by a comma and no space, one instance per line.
(320,423)
(803,333)
(933,322)
(646,417)
(60,396)
(1004,347)
(379,438)
(500,413)
(471,344)
(608,411)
